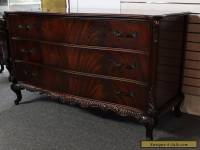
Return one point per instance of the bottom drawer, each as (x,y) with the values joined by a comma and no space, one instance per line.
(107,90)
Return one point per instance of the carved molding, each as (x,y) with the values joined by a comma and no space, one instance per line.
(121,110)
(151,111)
(156,24)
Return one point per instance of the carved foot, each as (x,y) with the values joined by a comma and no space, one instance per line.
(177,112)
(2,68)
(17,91)
(149,123)
(177,109)
(149,131)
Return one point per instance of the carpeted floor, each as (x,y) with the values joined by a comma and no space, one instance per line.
(40,123)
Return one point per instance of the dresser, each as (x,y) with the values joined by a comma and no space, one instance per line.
(124,63)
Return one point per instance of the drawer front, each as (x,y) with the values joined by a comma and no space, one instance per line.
(107,90)
(127,34)
(110,63)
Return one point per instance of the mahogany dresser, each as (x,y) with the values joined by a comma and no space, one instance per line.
(124,63)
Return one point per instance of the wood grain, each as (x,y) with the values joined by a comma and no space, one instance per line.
(119,64)
(105,59)
(94,88)
(93,32)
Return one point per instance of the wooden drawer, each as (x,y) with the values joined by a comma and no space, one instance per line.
(96,61)
(97,88)
(129,34)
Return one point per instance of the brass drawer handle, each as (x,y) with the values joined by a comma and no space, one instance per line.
(30,74)
(115,64)
(134,34)
(31,50)
(27,50)
(129,94)
(20,26)
(22,50)
(25,72)
(119,34)
(133,65)
(34,74)
(27,27)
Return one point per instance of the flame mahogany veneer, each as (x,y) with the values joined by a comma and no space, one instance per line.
(128,64)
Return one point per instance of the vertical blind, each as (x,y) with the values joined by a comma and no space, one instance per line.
(3,2)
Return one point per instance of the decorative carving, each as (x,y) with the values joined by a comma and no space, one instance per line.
(151,111)
(156,24)
(176,108)
(119,83)
(17,90)
(2,68)
(124,111)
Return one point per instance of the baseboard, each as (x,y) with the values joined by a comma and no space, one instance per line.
(191,105)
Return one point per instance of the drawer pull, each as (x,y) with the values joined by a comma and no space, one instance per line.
(27,50)
(26,72)
(133,66)
(27,27)
(23,50)
(115,64)
(31,50)
(134,34)
(129,94)
(119,34)
(20,26)
(34,75)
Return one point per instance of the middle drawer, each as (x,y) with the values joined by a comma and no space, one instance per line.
(96,61)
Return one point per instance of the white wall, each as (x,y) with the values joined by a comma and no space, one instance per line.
(22,5)
(161,5)
(98,6)
(73,5)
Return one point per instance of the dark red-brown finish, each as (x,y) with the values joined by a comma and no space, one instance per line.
(170,59)
(93,31)
(89,87)
(97,61)
(129,64)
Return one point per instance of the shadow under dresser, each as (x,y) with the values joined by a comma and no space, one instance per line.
(128,64)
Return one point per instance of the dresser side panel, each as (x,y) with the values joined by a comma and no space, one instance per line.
(170,59)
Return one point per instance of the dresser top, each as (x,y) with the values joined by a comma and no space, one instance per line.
(105,13)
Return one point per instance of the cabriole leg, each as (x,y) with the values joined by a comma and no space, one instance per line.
(2,68)
(17,91)
(149,132)
(149,125)
(177,109)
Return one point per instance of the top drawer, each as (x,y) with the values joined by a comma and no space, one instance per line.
(129,34)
